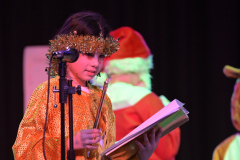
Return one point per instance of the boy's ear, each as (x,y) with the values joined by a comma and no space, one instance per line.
(231,72)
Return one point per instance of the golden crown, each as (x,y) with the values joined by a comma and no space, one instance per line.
(83,44)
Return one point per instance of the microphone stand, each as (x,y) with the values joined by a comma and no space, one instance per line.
(71,152)
(62,100)
(64,91)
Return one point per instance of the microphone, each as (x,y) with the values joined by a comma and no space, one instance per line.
(69,55)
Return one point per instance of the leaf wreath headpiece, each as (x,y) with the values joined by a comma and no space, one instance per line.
(83,44)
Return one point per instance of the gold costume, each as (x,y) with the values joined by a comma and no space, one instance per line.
(28,144)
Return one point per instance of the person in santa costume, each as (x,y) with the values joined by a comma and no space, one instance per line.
(229,149)
(130,90)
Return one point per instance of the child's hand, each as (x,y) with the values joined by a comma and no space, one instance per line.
(86,139)
(147,150)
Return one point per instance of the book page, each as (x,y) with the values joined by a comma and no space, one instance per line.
(169,117)
(167,110)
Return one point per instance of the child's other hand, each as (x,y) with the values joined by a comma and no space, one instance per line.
(86,139)
(147,150)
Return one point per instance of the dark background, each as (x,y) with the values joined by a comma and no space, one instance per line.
(191,41)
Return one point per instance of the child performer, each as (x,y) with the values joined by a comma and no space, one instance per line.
(88,33)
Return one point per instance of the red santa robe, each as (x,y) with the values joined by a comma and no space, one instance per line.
(133,105)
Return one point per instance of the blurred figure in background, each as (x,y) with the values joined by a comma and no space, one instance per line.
(130,90)
(229,149)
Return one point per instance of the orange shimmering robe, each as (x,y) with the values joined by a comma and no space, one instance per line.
(28,144)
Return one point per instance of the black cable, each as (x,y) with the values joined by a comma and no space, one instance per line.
(45,125)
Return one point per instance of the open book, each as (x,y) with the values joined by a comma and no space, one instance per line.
(168,118)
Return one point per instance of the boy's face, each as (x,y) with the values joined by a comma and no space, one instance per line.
(86,67)
(235,106)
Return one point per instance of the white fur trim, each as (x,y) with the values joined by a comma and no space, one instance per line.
(164,100)
(125,95)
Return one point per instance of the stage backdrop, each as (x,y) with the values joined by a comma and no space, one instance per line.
(191,42)
(34,64)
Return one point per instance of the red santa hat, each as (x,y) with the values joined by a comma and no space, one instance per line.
(132,44)
(133,56)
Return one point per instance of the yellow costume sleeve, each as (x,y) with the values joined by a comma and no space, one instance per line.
(28,144)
